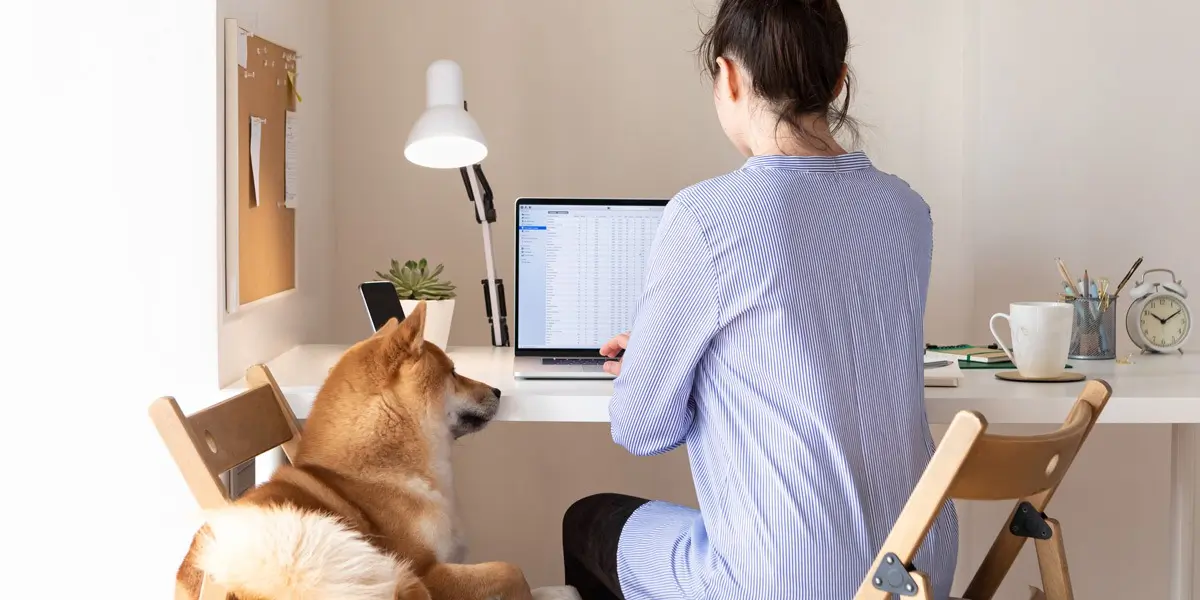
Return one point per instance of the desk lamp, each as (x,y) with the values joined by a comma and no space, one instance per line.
(447,137)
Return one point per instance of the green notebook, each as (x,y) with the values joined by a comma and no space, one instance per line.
(963,363)
(966,364)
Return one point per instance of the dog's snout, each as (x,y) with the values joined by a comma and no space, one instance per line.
(496,392)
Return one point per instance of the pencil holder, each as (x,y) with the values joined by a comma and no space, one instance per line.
(1094,331)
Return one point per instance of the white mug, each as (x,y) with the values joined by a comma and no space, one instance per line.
(1041,337)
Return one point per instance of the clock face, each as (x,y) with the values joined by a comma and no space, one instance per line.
(1165,321)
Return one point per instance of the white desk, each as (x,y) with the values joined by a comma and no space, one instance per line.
(1156,389)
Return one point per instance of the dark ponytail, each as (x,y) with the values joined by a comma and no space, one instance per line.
(793,50)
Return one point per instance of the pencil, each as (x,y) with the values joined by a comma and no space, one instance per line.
(1062,271)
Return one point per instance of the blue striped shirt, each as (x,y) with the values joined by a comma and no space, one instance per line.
(780,336)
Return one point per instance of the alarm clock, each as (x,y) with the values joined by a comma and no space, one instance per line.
(1158,320)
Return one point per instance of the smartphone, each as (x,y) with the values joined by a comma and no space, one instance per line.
(381,302)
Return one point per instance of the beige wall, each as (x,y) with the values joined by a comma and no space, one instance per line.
(1085,144)
(263,331)
(607,101)
(603,98)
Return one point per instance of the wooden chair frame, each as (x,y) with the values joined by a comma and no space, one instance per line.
(214,440)
(971,464)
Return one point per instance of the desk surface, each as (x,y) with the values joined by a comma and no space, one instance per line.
(1155,389)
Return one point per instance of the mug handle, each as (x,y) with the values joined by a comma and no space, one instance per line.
(992,326)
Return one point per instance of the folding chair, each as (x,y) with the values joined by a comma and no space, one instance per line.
(222,436)
(971,464)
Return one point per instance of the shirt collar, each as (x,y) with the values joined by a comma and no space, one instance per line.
(851,161)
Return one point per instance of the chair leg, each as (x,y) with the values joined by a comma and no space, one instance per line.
(924,591)
(1052,562)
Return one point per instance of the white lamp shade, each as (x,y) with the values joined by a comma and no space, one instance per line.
(445,136)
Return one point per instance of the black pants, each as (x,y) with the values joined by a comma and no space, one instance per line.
(591,530)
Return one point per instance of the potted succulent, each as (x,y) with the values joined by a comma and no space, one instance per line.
(414,282)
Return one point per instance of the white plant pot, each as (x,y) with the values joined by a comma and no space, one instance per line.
(438,314)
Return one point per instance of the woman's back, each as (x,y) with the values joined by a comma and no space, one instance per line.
(808,427)
(779,334)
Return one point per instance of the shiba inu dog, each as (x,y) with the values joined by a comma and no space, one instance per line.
(367,510)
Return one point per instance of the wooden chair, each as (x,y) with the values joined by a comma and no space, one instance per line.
(210,442)
(971,464)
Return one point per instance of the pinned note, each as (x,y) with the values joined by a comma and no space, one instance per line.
(292,85)
(291,160)
(242,50)
(256,124)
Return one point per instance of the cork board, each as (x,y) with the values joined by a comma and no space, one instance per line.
(260,230)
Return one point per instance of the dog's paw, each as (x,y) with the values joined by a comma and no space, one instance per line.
(557,592)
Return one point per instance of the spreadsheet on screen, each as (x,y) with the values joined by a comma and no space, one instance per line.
(581,270)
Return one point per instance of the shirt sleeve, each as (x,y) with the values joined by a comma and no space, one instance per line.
(678,314)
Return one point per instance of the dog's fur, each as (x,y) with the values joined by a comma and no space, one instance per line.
(366,512)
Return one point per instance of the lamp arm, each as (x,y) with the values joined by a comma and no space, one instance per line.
(493,287)
(489,207)
(479,192)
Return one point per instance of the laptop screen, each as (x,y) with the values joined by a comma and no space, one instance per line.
(580,269)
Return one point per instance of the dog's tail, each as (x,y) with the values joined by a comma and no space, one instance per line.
(285,552)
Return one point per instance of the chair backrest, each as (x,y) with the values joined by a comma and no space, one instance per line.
(971,464)
(222,436)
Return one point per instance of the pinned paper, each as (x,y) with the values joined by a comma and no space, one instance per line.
(291,160)
(241,47)
(256,124)
(292,84)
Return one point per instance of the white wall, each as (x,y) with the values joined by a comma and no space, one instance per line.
(1085,144)
(110,243)
(108,247)
(263,331)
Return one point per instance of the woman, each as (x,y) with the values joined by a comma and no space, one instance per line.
(780,337)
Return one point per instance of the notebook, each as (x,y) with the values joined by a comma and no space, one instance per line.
(969,353)
(971,357)
(946,376)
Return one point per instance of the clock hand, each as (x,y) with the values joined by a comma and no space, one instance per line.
(1171,317)
(1160,319)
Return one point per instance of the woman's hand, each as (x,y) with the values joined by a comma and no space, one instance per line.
(613,349)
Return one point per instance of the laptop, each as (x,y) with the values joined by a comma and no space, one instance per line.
(580,269)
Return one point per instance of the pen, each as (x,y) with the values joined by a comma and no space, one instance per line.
(1128,275)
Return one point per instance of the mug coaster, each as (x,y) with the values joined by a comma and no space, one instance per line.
(1064,378)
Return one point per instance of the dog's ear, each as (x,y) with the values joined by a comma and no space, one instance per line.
(408,336)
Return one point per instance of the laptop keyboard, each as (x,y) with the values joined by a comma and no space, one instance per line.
(598,362)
